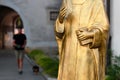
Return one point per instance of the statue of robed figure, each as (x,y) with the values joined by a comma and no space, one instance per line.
(82,32)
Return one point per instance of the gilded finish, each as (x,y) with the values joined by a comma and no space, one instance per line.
(81,32)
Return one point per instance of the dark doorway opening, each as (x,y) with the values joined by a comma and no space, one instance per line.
(8,18)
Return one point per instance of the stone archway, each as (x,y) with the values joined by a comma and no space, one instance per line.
(7,25)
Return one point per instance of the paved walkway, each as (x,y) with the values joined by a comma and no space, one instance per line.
(8,68)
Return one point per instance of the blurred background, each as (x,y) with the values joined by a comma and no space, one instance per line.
(38,17)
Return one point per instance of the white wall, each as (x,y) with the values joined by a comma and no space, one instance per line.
(115,26)
(35,16)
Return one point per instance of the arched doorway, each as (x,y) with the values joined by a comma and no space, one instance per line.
(8,18)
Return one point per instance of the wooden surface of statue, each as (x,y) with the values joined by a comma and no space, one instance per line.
(81,32)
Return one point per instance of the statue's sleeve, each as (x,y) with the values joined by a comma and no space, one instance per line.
(99,26)
(59,27)
(59,33)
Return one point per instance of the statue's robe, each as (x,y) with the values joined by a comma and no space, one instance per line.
(83,62)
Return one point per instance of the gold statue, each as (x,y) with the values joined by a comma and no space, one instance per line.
(81,32)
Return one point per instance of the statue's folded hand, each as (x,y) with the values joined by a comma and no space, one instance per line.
(84,35)
(62,14)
